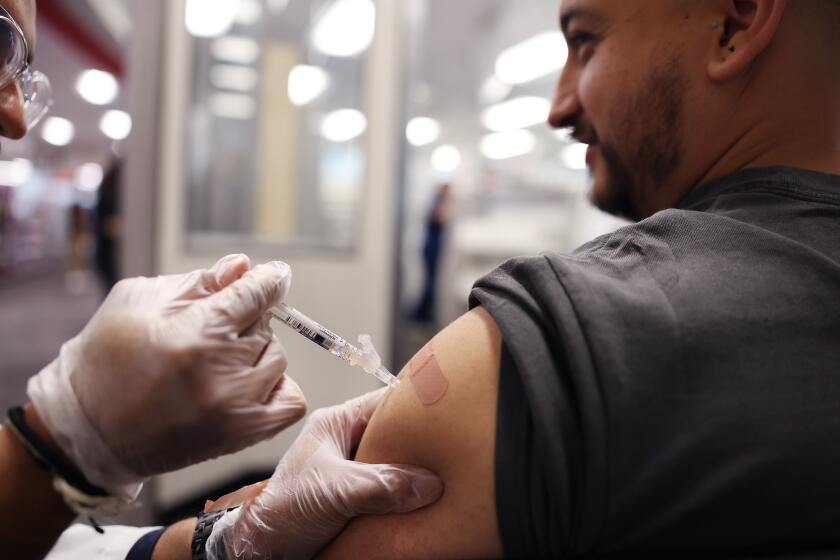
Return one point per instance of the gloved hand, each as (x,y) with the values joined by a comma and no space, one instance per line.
(171,371)
(316,490)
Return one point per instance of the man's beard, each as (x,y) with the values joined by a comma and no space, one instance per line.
(650,125)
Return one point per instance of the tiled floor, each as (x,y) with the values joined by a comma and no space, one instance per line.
(36,317)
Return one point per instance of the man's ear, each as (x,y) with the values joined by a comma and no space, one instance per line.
(743,30)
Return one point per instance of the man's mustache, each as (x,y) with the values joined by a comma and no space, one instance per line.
(583,131)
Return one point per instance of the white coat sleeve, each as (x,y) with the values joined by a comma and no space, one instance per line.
(82,541)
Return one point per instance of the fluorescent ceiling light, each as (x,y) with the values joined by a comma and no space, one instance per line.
(15,173)
(306,84)
(345,28)
(88,177)
(249,12)
(446,158)
(493,90)
(343,125)
(232,106)
(116,125)
(97,87)
(505,145)
(58,131)
(421,131)
(533,58)
(239,50)
(574,156)
(237,78)
(519,112)
(210,18)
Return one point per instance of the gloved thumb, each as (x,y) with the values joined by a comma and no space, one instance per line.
(230,268)
(249,297)
(393,489)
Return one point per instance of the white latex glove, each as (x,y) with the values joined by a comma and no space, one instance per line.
(316,490)
(171,371)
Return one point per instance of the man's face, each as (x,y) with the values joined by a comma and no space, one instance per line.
(624,91)
(12,117)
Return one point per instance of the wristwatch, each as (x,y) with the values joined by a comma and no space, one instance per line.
(203,529)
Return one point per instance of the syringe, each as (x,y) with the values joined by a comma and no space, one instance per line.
(366,358)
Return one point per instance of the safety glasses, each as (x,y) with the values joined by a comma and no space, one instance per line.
(14,65)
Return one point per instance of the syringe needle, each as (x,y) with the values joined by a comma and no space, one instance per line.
(368,360)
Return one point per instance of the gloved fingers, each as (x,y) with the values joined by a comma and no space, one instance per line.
(286,403)
(247,299)
(269,370)
(201,283)
(359,411)
(343,425)
(390,488)
(259,339)
(260,421)
(230,268)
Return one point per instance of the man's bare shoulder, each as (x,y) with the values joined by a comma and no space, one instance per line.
(442,417)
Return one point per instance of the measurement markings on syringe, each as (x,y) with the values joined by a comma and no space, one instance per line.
(318,338)
(293,323)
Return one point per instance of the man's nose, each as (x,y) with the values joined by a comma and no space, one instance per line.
(565,105)
(12,112)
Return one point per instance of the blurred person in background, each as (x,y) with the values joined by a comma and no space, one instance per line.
(171,371)
(79,244)
(108,226)
(433,244)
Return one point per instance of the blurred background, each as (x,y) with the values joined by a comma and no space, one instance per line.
(392,151)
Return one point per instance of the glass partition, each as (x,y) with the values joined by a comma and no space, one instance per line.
(275,135)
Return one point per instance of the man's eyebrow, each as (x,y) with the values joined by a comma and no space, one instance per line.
(572,13)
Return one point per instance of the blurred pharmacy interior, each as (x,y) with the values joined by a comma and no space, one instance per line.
(391,151)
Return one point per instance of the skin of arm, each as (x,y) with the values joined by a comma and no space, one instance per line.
(454,437)
(32,514)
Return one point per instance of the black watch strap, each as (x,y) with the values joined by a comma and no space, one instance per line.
(203,529)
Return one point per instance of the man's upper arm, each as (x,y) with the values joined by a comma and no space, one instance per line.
(453,437)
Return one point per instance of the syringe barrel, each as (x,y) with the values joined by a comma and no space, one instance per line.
(312,330)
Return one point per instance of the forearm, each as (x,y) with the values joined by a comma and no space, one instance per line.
(175,543)
(32,514)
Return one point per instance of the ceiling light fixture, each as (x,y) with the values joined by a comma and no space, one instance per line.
(88,177)
(238,50)
(97,87)
(58,131)
(493,90)
(533,58)
(15,173)
(345,29)
(232,106)
(115,124)
(506,145)
(421,131)
(519,112)
(343,125)
(249,12)
(446,159)
(233,77)
(306,84)
(210,18)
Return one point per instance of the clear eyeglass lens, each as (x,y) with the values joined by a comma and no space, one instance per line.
(37,96)
(12,50)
